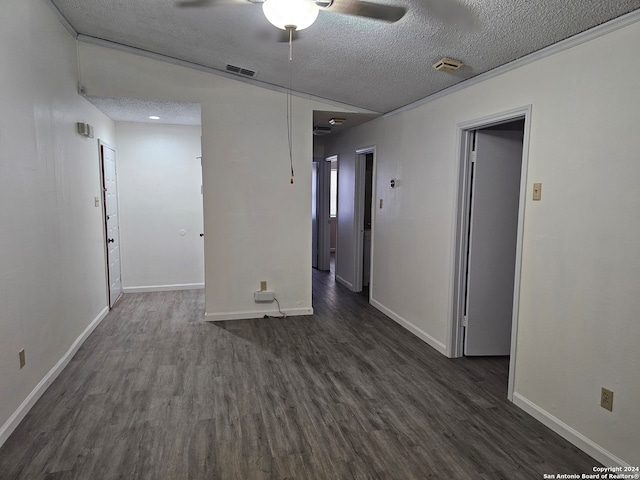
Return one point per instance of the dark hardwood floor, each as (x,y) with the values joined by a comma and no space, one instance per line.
(158,393)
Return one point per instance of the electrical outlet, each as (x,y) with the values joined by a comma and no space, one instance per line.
(21,357)
(263,285)
(606,399)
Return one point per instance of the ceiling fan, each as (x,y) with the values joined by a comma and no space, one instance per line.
(299,14)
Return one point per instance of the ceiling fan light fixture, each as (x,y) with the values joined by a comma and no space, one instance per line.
(290,13)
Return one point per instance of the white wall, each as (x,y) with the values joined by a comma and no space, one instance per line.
(52,263)
(257,224)
(159,180)
(580,290)
(267,234)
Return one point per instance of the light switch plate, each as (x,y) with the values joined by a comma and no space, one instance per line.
(537,191)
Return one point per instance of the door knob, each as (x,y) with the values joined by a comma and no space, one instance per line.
(202,234)
(110,240)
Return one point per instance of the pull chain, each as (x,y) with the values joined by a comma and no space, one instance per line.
(290,29)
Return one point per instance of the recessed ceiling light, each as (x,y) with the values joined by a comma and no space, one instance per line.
(154,117)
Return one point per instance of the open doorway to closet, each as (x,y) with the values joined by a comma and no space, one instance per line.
(493,166)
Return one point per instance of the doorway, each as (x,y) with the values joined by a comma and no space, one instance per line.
(111,222)
(493,166)
(367,220)
(364,219)
(320,215)
(333,211)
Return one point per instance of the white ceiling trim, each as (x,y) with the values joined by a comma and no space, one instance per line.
(183,63)
(578,39)
(62,19)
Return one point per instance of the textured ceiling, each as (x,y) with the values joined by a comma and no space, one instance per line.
(356,61)
(138,111)
(321,119)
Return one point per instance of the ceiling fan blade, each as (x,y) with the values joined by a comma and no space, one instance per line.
(375,11)
(205,3)
(194,3)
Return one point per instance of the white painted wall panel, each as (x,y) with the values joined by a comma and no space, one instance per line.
(266,219)
(52,267)
(580,290)
(159,180)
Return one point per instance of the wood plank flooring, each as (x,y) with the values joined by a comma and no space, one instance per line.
(158,393)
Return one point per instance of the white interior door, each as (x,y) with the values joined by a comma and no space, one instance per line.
(112,222)
(495,196)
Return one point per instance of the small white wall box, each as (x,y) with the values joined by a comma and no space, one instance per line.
(263,296)
(84,129)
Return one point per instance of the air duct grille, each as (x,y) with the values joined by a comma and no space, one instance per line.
(241,71)
(447,65)
(319,131)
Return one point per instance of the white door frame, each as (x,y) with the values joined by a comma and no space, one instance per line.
(358,216)
(455,340)
(315,213)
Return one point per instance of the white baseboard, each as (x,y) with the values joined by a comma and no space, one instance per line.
(421,334)
(14,420)
(217,316)
(565,431)
(349,285)
(163,288)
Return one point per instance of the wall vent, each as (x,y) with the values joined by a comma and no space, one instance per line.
(447,65)
(241,71)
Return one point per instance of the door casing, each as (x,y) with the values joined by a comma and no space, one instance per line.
(455,334)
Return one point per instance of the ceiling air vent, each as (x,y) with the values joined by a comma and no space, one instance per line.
(241,71)
(319,131)
(447,65)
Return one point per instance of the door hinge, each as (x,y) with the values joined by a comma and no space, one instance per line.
(473,156)
(464,321)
